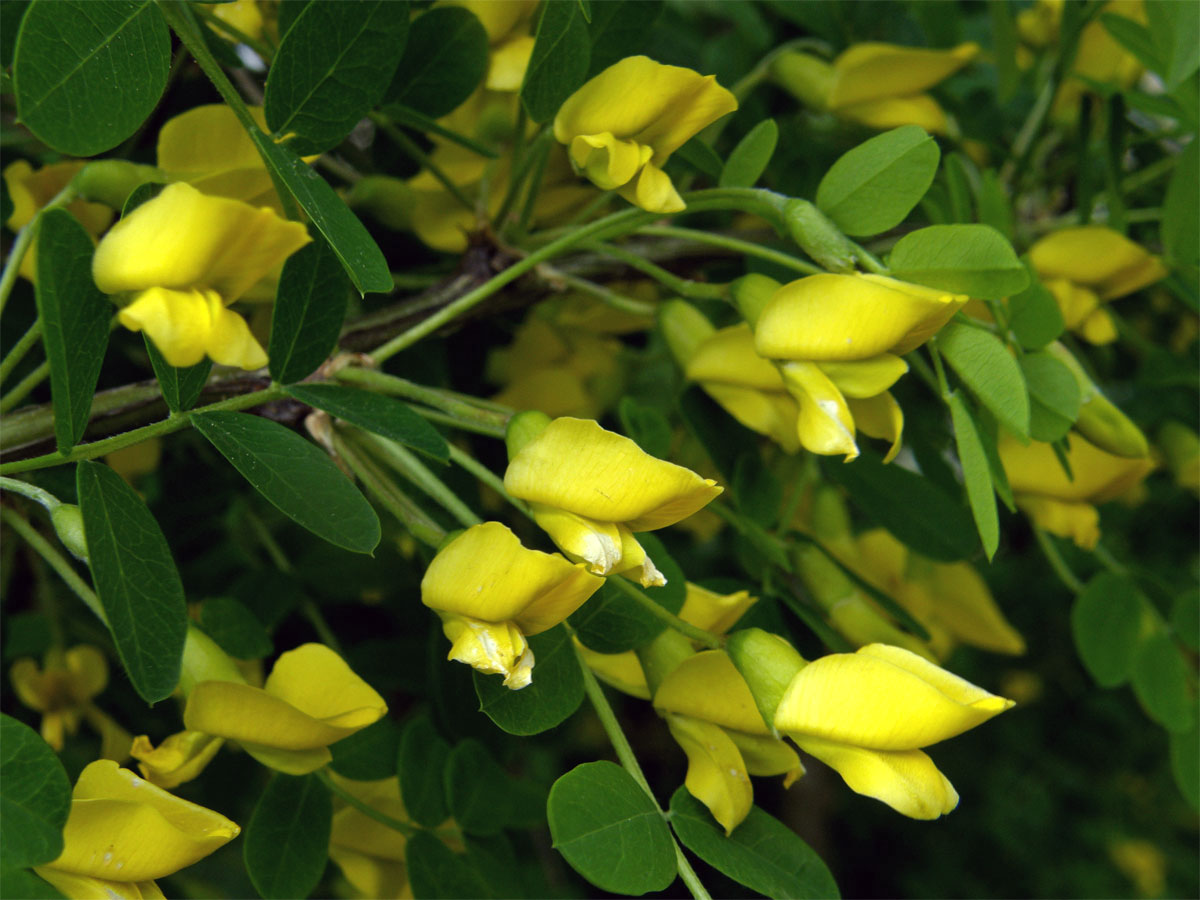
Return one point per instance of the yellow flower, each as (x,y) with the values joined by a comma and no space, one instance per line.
(1087,266)
(184,257)
(711,714)
(491,593)
(179,758)
(1060,504)
(310,700)
(507,25)
(701,607)
(867,714)
(62,692)
(838,339)
(122,833)
(1100,57)
(244,15)
(30,190)
(623,125)
(590,490)
(879,85)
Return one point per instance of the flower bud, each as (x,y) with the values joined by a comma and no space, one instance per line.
(204,660)
(1181,448)
(684,328)
(817,236)
(751,293)
(390,200)
(68,525)
(111,181)
(523,428)
(768,663)
(808,79)
(1099,420)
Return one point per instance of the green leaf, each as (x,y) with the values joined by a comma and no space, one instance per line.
(876,185)
(1004,40)
(435,871)
(1185,618)
(351,242)
(914,509)
(556,691)
(21,882)
(977,474)
(701,157)
(1161,679)
(756,489)
(620,28)
(749,158)
(445,59)
(332,68)
(11,13)
(559,63)
(296,476)
(610,832)
(1053,395)
(368,754)
(646,426)
(310,305)
(476,789)
(1106,624)
(1174,27)
(1134,37)
(375,412)
(989,370)
(146,191)
(1034,316)
(762,853)
(967,259)
(993,204)
(87,75)
(136,580)
(181,388)
(1185,764)
(74,317)
(286,844)
(421,764)
(235,628)
(36,798)
(1180,224)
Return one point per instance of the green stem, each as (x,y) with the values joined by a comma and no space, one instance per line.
(734,245)
(692,290)
(447,401)
(668,618)
(407,464)
(166,426)
(56,561)
(442,418)
(23,345)
(410,148)
(22,388)
(24,240)
(616,736)
(487,476)
(605,295)
(32,491)
(411,516)
(1057,563)
(533,191)
(410,118)
(405,828)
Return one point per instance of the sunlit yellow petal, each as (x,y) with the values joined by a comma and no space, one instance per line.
(1071,519)
(716,774)
(712,611)
(607,161)
(598,544)
(868,71)
(879,417)
(708,686)
(654,191)
(862,378)
(1075,303)
(246,714)
(766,755)
(1098,257)
(825,424)
(729,357)
(85,887)
(620,670)
(317,681)
(230,342)
(892,112)
(1098,476)
(210,139)
(635,563)
(289,762)
(1099,328)
(494,649)
(179,322)
(767,413)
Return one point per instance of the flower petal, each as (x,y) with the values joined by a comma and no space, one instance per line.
(492,648)
(230,342)
(708,686)
(906,780)
(1098,475)
(863,378)
(178,759)
(1080,522)
(825,425)
(576,465)
(868,71)
(966,607)
(879,417)
(179,322)
(767,413)
(620,670)
(1098,257)
(766,755)
(892,112)
(317,681)
(716,774)
(598,544)
(729,357)
(607,161)
(250,715)
(85,887)
(712,611)
(654,191)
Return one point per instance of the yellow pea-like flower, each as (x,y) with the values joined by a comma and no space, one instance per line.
(183,257)
(122,833)
(179,758)
(591,489)
(1062,505)
(623,125)
(867,714)
(712,715)
(492,593)
(310,700)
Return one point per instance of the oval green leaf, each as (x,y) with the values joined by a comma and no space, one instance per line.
(620,28)
(1053,396)
(286,844)
(556,691)
(977,475)
(1185,764)
(74,317)
(1106,624)
(476,789)
(369,754)
(1034,316)
(421,765)
(310,305)
(967,259)
(375,412)
(444,61)
(73,56)
(762,853)
(235,628)
(136,580)
(435,871)
(876,185)
(1161,680)
(559,62)
(749,158)
(610,832)
(351,242)
(36,798)
(987,368)
(333,66)
(295,476)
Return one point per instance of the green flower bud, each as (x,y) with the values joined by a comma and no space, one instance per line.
(204,660)
(68,525)
(817,236)
(805,77)
(1099,420)
(111,181)
(768,663)
(523,428)
(684,328)
(751,293)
